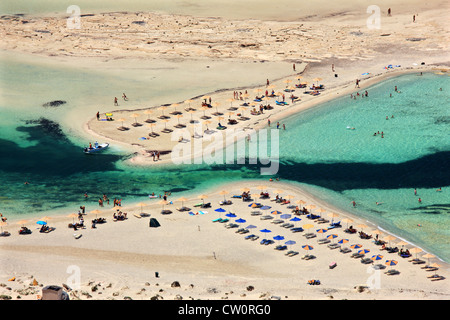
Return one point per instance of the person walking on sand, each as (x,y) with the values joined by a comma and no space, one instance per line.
(124,97)
(389,12)
(357,83)
(115,101)
(293,67)
(98,115)
(268,122)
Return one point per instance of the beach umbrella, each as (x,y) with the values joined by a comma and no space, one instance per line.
(73,216)
(285,216)
(391,262)
(317,79)
(220,210)
(122,120)
(321,231)
(363,251)
(300,202)
(355,246)
(203,197)
(290,242)
(307,226)
(362,226)
(206,97)
(182,199)
(343,241)
(165,123)
(151,125)
(402,243)
(96,212)
(276,212)
(148,112)
(191,112)
(265,207)
(377,257)
(389,238)
(216,104)
(254,205)
(178,116)
(230,215)
(435,265)
(265,231)
(163,202)
(141,204)
(46,218)
(22,222)
(261,187)
(245,189)
(223,193)
(347,220)
(41,223)
(416,251)
(307,247)
(332,216)
(162,108)
(240,220)
(332,236)
(188,102)
(428,256)
(230,100)
(295,219)
(250,226)
(278,238)
(135,115)
(278,191)
(175,105)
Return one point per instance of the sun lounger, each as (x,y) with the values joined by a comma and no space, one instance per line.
(436,277)
(392,272)
(322,220)
(345,250)
(366,260)
(243,231)
(224,220)
(280,247)
(334,245)
(225,202)
(348,230)
(357,255)
(332,265)
(323,241)
(256,213)
(217,220)
(184,209)
(166,211)
(298,229)
(291,253)
(417,261)
(267,217)
(231,225)
(254,238)
(308,257)
(251,236)
(266,241)
(379,266)
(287,225)
(309,235)
(5,234)
(334,225)
(277,221)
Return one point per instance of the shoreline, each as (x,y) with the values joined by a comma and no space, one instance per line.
(336,91)
(204,263)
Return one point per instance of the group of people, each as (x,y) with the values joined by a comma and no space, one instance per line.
(354,96)
(155,155)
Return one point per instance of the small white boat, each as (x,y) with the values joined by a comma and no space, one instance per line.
(97,148)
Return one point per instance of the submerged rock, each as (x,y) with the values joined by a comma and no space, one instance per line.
(55,103)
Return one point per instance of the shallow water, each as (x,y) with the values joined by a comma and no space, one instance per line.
(317,152)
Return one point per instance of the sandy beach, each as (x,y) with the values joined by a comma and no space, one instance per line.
(195,257)
(209,260)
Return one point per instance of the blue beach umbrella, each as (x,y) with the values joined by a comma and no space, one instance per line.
(220,210)
(332,236)
(42,223)
(285,216)
(295,219)
(265,207)
(290,242)
(240,220)
(391,262)
(250,226)
(265,231)
(278,238)
(377,257)
(231,215)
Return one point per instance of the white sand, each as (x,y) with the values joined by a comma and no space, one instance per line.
(121,258)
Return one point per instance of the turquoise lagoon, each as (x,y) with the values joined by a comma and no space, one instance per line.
(317,150)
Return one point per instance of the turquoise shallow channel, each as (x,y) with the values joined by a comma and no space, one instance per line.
(330,150)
